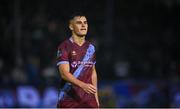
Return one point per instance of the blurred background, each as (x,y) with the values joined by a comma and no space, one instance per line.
(137,47)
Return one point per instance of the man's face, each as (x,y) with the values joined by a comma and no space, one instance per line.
(79,25)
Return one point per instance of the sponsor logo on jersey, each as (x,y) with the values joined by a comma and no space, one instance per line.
(85,63)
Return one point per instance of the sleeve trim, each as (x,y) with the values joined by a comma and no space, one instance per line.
(62,62)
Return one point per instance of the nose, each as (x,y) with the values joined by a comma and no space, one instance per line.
(83,25)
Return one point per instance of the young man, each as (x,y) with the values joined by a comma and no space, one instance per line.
(76,64)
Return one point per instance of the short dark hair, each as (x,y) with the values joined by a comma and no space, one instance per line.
(76,14)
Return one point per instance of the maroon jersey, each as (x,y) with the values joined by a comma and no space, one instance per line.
(81,60)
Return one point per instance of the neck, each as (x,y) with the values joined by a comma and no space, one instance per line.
(78,39)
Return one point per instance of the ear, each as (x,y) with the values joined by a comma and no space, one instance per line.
(70,27)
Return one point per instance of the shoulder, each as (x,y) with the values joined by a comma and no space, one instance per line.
(64,44)
(91,43)
(91,46)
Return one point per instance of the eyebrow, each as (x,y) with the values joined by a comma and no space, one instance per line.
(81,21)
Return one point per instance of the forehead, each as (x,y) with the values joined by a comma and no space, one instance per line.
(79,18)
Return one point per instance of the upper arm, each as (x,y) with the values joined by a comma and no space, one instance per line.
(94,71)
(62,59)
(63,68)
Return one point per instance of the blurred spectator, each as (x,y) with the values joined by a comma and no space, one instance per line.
(107,97)
(121,69)
(50,75)
(32,67)
(19,76)
(176,100)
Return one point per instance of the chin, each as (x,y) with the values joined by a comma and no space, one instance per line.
(82,35)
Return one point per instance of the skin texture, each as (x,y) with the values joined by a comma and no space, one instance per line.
(79,27)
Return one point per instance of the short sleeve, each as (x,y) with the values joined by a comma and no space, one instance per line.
(62,55)
(94,54)
(94,58)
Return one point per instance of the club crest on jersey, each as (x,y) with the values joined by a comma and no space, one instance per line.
(59,53)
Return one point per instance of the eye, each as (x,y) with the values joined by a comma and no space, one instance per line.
(85,22)
(78,22)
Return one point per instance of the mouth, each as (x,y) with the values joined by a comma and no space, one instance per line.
(83,29)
